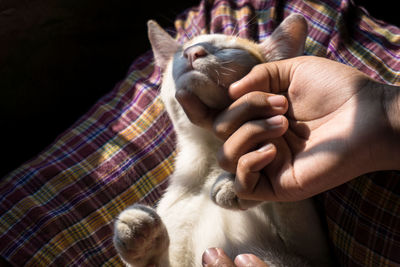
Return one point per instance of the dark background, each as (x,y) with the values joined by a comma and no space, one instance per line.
(58,57)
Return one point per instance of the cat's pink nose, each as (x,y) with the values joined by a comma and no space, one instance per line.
(194,52)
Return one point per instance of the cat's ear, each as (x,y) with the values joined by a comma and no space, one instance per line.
(163,45)
(287,40)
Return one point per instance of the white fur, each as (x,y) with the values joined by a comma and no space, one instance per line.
(282,234)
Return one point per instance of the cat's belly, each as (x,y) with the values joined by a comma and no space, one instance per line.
(195,223)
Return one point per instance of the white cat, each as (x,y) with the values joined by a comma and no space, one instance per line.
(200,210)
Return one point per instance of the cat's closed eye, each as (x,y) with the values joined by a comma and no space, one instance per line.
(230,52)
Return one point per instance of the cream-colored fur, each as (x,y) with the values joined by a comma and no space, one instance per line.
(199,209)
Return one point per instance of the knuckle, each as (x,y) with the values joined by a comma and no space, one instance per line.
(259,68)
(224,161)
(250,99)
(245,103)
(255,104)
(243,165)
(199,119)
(222,130)
(244,186)
(247,128)
(260,130)
(252,129)
(242,192)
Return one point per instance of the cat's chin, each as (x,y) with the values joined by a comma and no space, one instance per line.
(208,90)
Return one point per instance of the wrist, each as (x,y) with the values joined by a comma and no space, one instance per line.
(391,108)
(391,105)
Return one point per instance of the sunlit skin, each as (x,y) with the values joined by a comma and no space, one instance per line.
(335,123)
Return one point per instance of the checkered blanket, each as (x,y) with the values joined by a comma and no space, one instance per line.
(58,208)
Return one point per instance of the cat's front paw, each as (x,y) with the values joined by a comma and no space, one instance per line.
(223,194)
(140,236)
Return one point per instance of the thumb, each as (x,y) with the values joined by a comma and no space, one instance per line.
(197,112)
(272,77)
(216,257)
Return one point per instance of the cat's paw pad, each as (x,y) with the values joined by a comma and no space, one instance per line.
(223,194)
(140,235)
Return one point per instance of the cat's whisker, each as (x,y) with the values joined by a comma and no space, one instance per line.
(189,35)
(235,28)
(218,78)
(251,20)
(238,31)
(226,62)
(246,25)
(197,28)
(185,33)
(228,69)
(237,34)
(232,33)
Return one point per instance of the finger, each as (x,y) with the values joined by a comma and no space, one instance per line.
(197,112)
(268,77)
(249,137)
(216,257)
(252,106)
(249,260)
(250,184)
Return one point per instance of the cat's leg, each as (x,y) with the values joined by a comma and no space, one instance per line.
(223,194)
(141,237)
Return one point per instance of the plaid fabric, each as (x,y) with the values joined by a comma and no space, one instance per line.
(58,209)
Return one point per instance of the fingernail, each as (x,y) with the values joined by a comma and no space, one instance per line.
(277,100)
(275,121)
(210,256)
(265,148)
(243,259)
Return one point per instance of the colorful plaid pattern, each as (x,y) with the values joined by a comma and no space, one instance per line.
(58,209)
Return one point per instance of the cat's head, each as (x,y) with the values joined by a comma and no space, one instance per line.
(208,64)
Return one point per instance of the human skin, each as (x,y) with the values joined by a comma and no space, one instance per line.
(338,124)
(334,123)
(216,257)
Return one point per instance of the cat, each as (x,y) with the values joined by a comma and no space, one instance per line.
(200,209)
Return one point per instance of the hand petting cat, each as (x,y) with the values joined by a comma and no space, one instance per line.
(200,206)
(339,124)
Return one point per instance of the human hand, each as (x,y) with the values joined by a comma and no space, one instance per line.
(215,257)
(338,129)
